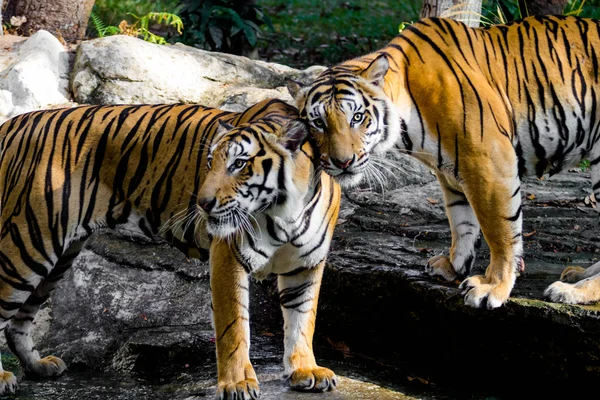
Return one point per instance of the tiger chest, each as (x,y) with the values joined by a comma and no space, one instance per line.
(282,246)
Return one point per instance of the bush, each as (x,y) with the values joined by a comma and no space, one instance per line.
(228,26)
(112,12)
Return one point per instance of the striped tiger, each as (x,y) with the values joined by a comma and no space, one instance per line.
(184,173)
(482,107)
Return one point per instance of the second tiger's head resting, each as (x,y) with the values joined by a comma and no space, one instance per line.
(251,170)
(350,118)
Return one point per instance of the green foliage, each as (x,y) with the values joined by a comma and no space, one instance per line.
(503,11)
(101,28)
(584,165)
(142,25)
(226,25)
(11,363)
(589,8)
(140,28)
(574,7)
(112,12)
(309,32)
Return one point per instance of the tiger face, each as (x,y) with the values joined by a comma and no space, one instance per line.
(350,119)
(250,170)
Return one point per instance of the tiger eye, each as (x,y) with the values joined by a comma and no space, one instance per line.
(358,117)
(239,163)
(319,123)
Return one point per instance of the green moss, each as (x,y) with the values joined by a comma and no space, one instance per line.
(11,363)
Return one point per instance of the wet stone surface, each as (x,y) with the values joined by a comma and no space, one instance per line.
(132,319)
(194,386)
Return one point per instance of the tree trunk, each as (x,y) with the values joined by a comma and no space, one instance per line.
(1,26)
(66,18)
(545,7)
(467,11)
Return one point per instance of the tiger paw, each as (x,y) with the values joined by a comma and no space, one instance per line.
(568,293)
(572,274)
(479,291)
(47,367)
(243,390)
(441,266)
(8,383)
(313,379)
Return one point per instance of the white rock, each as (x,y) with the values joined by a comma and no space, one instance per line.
(122,69)
(6,104)
(36,75)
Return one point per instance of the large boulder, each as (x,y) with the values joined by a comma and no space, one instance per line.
(128,301)
(123,69)
(35,74)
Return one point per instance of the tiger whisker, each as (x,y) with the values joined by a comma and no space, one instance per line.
(384,170)
(376,175)
(175,221)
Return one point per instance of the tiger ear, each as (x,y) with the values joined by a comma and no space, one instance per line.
(222,129)
(376,71)
(295,133)
(294,87)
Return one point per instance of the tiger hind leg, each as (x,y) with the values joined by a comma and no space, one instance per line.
(577,286)
(465,233)
(17,283)
(18,331)
(18,337)
(8,380)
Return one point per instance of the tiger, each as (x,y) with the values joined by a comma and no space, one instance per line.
(241,189)
(482,108)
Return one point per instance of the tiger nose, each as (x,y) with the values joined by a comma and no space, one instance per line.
(342,164)
(207,204)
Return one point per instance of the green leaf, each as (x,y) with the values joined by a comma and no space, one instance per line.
(250,32)
(269,23)
(112,30)
(216,33)
(235,30)
(99,25)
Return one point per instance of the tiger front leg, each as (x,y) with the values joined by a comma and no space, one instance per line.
(230,301)
(492,187)
(465,233)
(576,286)
(298,296)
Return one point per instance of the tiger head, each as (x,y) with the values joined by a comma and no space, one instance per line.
(350,118)
(251,169)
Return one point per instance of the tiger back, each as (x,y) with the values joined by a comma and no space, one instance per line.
(482,107)
(149,169)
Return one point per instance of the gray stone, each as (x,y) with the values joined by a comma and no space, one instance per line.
(164,351)
(117,288)
(122,69)
(35,74)
(200,384)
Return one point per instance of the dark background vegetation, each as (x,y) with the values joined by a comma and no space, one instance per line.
(301,33)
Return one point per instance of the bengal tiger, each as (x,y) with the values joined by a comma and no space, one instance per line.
(482,107)
(185,173)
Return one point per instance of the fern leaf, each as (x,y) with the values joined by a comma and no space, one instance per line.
(99,25)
